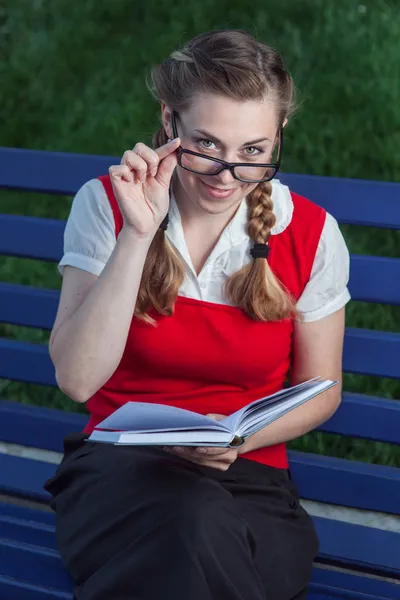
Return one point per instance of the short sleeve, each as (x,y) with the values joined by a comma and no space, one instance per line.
(327,292)
(89,236)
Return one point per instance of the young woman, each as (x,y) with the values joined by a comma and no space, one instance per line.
(192,277)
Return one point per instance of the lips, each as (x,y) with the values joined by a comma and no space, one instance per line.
(215,192)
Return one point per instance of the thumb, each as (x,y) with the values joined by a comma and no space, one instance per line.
(216,417)
(165,169)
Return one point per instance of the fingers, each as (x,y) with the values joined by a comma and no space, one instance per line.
(137,165)
(164,151)
(142,161)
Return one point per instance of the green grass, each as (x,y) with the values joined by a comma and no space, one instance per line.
(73,80)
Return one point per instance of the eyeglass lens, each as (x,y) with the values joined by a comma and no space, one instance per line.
(206,166)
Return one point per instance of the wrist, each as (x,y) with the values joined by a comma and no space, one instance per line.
(130,236)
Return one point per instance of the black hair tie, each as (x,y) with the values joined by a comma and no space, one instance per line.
(260,251)
(164,223)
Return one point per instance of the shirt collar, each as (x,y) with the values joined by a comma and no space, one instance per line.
(236,231)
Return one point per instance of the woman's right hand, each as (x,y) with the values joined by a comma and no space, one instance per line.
(141,186)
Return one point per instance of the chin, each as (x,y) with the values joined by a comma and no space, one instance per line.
(211,197)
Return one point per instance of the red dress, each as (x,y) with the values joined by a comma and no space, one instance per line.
(212,358)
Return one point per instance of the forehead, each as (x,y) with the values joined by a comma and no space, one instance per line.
(231,120)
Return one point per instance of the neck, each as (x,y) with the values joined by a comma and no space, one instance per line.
(194,218)
(201,229)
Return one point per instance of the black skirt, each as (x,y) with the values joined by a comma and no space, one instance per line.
(136,523)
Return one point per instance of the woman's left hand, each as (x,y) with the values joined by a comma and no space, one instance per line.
(216,458)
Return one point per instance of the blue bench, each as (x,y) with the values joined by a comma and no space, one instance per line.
(356,560)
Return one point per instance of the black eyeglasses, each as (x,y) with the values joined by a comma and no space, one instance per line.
(206,165)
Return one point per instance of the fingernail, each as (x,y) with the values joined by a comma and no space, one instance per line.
(178,449)
(202,450)
(154,172)
(173,141)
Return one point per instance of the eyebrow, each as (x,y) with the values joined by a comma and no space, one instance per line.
(211,137)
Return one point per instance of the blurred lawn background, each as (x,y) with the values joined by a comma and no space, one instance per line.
(72,79)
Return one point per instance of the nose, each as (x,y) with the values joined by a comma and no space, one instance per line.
(225,177)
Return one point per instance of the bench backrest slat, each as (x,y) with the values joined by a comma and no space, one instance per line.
(353,201)
(371,352)
(358,415)
(31,237)
(30,363)
(365,351)
(348,200)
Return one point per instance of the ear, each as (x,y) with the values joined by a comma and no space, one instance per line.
(166,120)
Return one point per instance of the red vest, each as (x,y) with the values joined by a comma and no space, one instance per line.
(212,358)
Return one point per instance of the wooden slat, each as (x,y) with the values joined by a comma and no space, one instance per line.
(24,477)
(372,550)
(30,363)
(50,172)
(25,531)
(368,352)
(365,417)
(319,478)
(35,565)
(37,427)
(375,279)
(28,306)
(351,201)
(354,582)
(12,589)
(365,352)
(358,416)
(346,482)
(32,519)
(31,237)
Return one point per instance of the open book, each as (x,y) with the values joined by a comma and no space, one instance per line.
(144,423)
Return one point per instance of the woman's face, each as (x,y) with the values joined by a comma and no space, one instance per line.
(243,132)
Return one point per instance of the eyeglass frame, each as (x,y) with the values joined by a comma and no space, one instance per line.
(227,165)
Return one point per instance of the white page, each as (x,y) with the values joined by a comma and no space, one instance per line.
(139,416)
(166,438)
(256,422)
(233,421)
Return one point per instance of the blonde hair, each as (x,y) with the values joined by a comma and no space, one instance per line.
(233,64)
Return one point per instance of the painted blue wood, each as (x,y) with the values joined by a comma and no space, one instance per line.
(31,237)
(22,361)
(354,582)
(31,516)
(346,482)
(50,172)
(366,417)
(37,427)
(24,478)
(365,352)
(11,589)
(370,352)
(320,478)
(375,278)
(28,306)
(344,544)
(358,416)
(36,565)
(375,550)
(351,200)
(20,530)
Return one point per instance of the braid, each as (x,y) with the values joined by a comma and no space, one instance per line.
(254,288)
(261,216)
